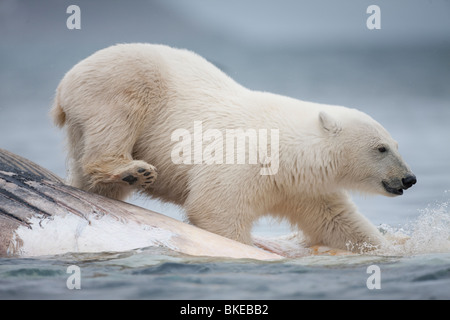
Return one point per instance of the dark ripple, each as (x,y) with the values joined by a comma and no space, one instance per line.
(259,268)
(436,275)
(31,272)
(175,268)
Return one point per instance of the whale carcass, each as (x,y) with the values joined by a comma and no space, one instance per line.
(41,216)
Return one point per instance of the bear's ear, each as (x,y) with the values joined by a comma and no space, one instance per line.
(329,124)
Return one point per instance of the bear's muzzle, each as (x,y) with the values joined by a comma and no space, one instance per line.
(396,187)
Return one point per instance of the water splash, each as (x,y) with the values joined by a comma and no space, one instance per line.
(429,233)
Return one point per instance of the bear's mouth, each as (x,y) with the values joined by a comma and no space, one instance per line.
(389,189)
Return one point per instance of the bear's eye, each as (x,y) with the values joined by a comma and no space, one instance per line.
(382,149)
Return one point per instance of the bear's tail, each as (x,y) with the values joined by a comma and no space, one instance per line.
(57,114)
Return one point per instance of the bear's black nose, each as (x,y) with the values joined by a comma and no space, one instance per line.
(408,181)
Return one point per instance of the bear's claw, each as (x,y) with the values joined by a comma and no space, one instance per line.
(139,174)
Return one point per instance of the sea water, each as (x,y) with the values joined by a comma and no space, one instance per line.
(404,87)
(415,266)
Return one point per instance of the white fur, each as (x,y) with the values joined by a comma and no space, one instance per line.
(122,104)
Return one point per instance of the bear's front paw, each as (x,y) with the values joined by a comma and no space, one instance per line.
(139,174)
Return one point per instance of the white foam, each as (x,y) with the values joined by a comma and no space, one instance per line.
(70,233)
(429,233)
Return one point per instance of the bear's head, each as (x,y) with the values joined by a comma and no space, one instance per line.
(368,157)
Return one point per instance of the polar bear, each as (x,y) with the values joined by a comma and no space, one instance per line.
(123,106)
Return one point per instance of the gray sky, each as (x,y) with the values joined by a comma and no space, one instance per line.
(321,21)
(256,22)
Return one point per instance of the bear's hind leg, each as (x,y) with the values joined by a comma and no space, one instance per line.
(110,177)
(207,210)
(106,165)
